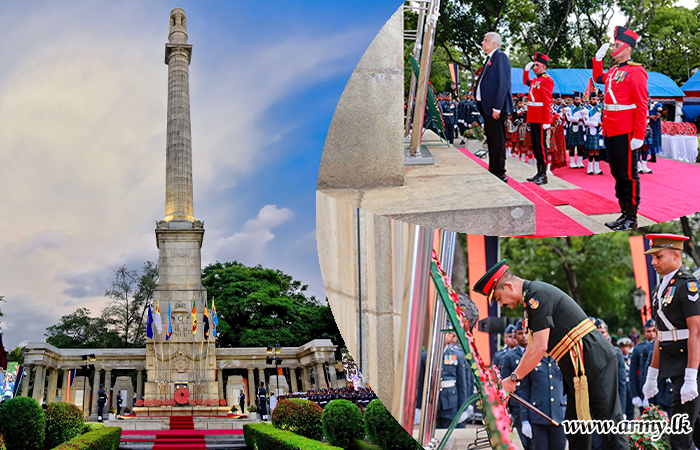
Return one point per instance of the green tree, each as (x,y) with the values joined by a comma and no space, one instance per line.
(128,302)
(79,330)
(258,306)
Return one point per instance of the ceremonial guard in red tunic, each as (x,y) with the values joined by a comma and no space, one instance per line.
(624,121)
(539,111)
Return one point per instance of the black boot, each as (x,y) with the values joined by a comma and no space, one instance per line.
(542,171)
(537,175)
(619,220)
(630,222)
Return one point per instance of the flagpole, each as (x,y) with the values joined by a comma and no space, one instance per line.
(194,331)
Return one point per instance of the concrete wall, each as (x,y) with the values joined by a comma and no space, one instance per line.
(364,146)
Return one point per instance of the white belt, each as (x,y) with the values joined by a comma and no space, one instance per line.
(674,335)
(452,383)
(616,107)
(535,104)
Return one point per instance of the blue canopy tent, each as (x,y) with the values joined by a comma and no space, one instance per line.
(691,106)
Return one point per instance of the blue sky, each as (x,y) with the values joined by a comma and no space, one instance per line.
(82,138)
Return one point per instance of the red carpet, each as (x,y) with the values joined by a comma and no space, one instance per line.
(666,194)
(584,200)
(549,221)
(192,440)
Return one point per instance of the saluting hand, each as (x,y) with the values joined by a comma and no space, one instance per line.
(528,66)
(600,54)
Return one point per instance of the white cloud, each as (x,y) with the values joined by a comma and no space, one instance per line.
(248,245)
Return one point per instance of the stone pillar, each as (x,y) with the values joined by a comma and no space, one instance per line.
(108,387)
(25,382)
(95,390)
(251,387)
(178,171)
(293,377)
(38,391)
(305,379)
(53,382)
(64,384)
(332,375)
(320,376)
(139,384)
(220,380)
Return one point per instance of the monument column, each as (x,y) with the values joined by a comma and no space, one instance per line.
(38,391)
(293,377)
(251,387)
(53,382)
(108,389)
(220,380)
(25,381)
(64,384)
(95,391)
(332,376)
(139,384)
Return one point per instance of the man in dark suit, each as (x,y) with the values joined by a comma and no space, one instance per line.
(493,98)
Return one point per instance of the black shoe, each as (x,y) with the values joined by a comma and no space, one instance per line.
(503,178)
(533,178)
(630,223)
(653,158)
(541,180)
(619,220)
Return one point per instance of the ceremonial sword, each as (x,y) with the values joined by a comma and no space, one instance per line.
(522,401)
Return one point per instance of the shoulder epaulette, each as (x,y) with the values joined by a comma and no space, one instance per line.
(545,75)
(631,63)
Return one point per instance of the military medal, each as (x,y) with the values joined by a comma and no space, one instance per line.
(669,295)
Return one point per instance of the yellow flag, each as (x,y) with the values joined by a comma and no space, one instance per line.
(194,318)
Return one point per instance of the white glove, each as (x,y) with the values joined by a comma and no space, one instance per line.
(636,401)
(463,417)
(546,126)
(689,390)
(600,54)
(650,387)
(470,411)
(645,403)
(636,143)
(528,66)
(416,417)
(527,429)
(624,417)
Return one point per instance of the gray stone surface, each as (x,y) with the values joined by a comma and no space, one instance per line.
(364,146)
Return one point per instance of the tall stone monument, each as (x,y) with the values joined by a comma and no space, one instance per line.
(186,359)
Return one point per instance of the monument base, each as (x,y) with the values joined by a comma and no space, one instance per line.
(196,411)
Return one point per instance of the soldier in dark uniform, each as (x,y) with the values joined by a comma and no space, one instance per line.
(544,388)
(639,365)
(624,345)
(560,328)
(677,349)
(449,110)
(456,384)
(511,361)
(624,121)
(509,340)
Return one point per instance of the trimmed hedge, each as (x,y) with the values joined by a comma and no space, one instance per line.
(106,438)
(302,417)
(64,421)
(384,431)
(22,424)
(262,436)
(342,423)
(362,445)
(92,426)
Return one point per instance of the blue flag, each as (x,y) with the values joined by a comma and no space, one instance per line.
(214,319)
(169,331)
(149,328)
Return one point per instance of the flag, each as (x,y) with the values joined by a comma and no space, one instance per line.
(454,75)
(214,319)
(149,328)
(157,319)
(589,88)
(71,375)
(194,317)
(169,331)
(205,319)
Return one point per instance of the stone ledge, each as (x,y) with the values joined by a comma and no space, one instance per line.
(455,194)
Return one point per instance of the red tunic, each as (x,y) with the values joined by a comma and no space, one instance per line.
(626,98)
(539,99)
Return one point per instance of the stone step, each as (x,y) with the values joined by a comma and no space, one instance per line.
(220,443)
